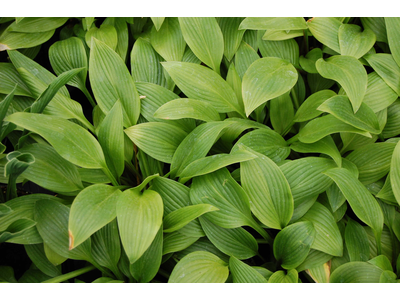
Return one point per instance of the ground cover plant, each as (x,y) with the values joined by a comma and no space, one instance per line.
(200,150)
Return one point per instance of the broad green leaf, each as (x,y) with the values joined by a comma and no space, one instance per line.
(213,163)
(193,229)
(139,219)
(281,35)
(168,40)
(379,95)
(202,244)
(281,113)
(16,40)
(377,25)
(244,57)
(386,242)
(196,145)
(387,68)
(392,127)
(373,161)
(146,267)
(382,262)
(266,142)
(91,210)
(353,42)
(287,49)
(182,216)
(199,82)
(326,146)
(356,272)
(349,73)
(340,107)
(175,241)
(352,141)
(271,199)
(70,54)
(320,274)
(314,259)
(17,163)
(34,25)
(38,257)
(200,267)
(222,191)
(318,83)
(388,277)
(231,34)
(50,170)
(292,244)
(265,79)
(327,237)
(52,224)
(308,62)
(356,241)
(204,37)
(361,201)
(234,80)
(320,127)
(237,127)
(386,193)
(157,21)
(273,23)
(106,34)
(233,241)
(243,273)
(70,140)
(392,26)
(155,97)
(10,79)
(16,229)
(175,195)
(111,81)
(281,277)
(187,108)
(157,139)
(93,175)
(326,31)
(395,172)
(4,210)
(111,139)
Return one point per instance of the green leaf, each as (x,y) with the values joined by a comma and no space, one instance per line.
(183,216)
(111,139)
(231,34)
(293,243)
(106,34)
(379,95)
(200,267)
(10,80)
(377,25)
(52,224)
(16,229)
(320,127)
(326,146)
(388,277)
(16,40)
(280,277)
(361,201)
(212,163)
(157,139)
(51,171)
(372,161)
(222,191)
(327,237)
(91,210)
(17,163)
(70,140)
(326,31)
(392,26)
(176,241)
(244,57)
(386,193)
(5,210)
(271,199)
(187,108)
(287,49)
(321,273)
(356,272)
(139,219)
(266,142)
(196,145)
(265,79)
(34,25)
(308,110)
(281,35)
(233,241)
(243,273)
(199,82)
(37,255)
(113,84)
(157,21)
(203,244)
(273,23)
(146,267)
(204,37)
(353,42)
(340,107)
(168,40)
(387,68)
(382,262)
(392,127)
(349,73)
(281,113)
(308,62)
(395,172)
(314,259)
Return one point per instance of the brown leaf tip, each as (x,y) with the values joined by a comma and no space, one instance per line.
(71,240)
(309,20)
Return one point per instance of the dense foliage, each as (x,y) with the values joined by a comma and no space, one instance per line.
(200,149)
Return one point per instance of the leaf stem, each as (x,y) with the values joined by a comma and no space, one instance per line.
(110,176)
(70,275)
(293,139)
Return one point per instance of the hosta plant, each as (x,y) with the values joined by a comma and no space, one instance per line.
(245,150)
